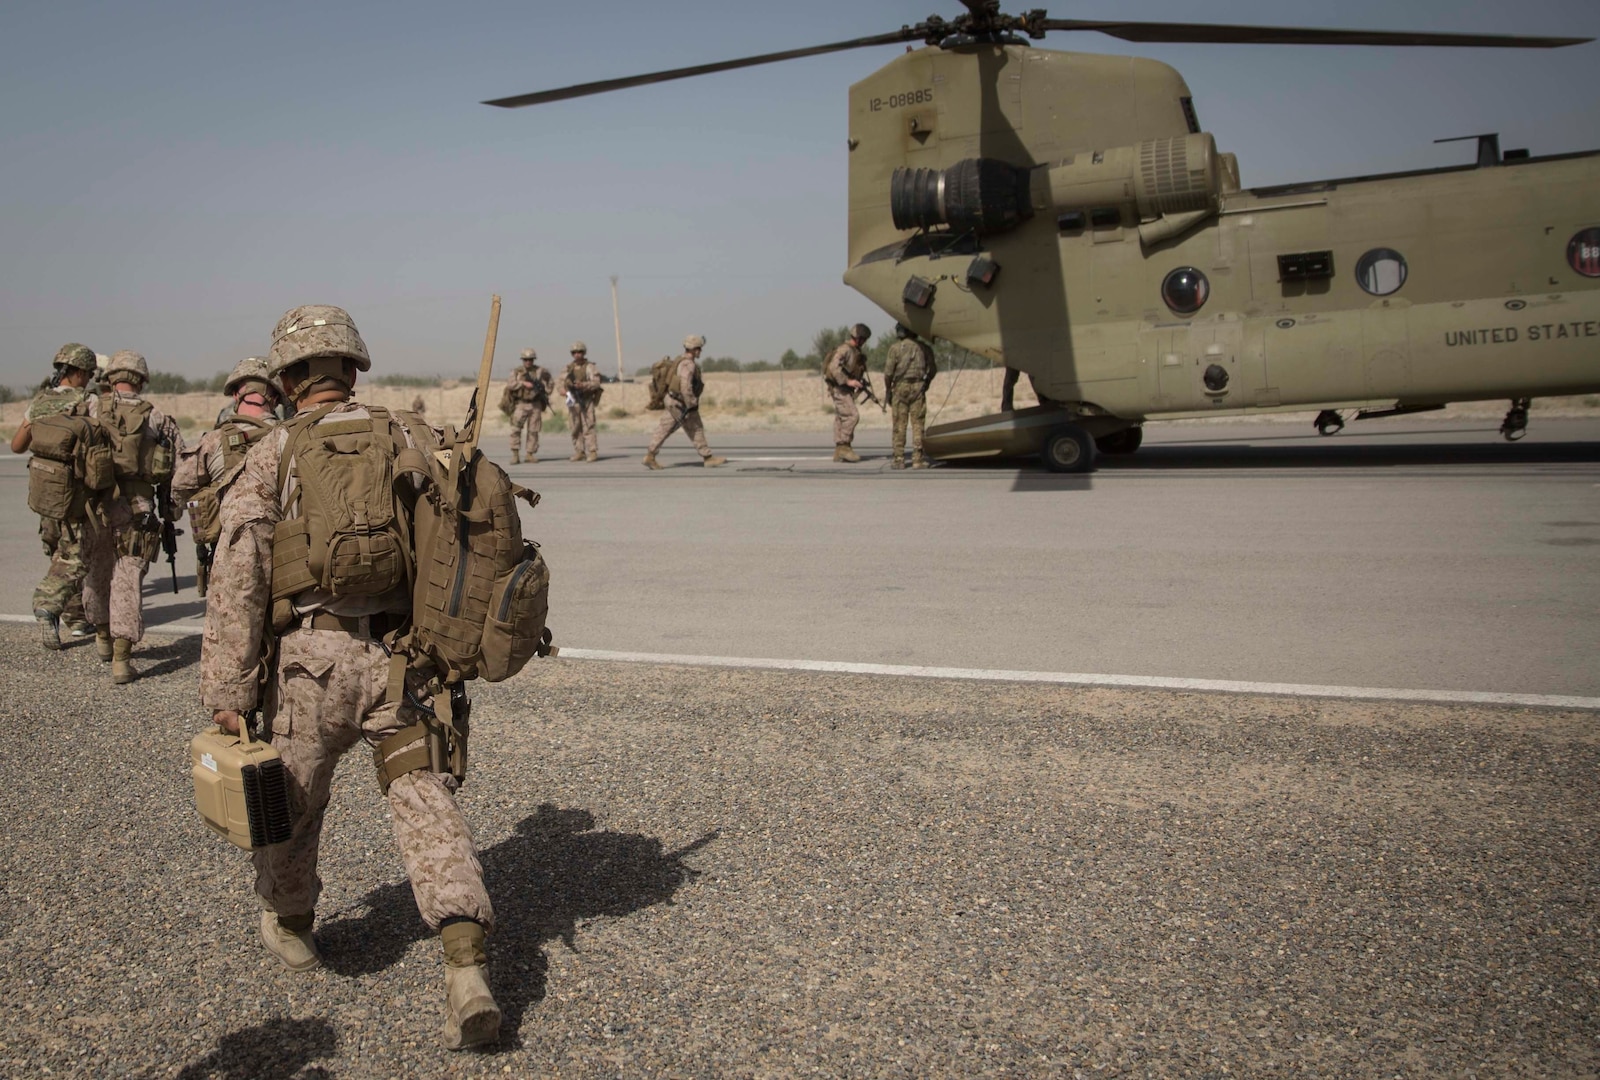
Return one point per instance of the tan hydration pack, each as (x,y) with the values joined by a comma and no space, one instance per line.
(137,453)
(661,373)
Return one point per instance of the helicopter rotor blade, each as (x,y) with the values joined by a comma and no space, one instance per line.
(905,33)
(1214,34)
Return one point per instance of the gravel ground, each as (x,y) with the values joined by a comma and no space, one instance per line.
(709,873)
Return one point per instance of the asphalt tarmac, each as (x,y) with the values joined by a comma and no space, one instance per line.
(717,872)
(1402,554)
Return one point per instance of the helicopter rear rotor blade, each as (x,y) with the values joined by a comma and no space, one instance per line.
(905,33)
(1213,34)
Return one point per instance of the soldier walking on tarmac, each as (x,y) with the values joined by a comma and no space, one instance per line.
(204,474)
(132,520)
(59,597)
(528,394)
(683,407)
(844,373)
(581,381)
(329,677)
(906,375)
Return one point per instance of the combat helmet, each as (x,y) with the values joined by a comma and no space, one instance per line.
(902,331)
(127,362)
(579,347)
(252,369)
(73,355)
(860,332)
(314,331)
(694,341)
(529,354)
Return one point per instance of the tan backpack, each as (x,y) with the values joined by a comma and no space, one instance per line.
(70,460)
(661,373)
(480,592)
(137,452)
(240,433)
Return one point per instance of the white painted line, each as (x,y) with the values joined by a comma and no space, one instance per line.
(181,629)
(1058,678)
(1121,682)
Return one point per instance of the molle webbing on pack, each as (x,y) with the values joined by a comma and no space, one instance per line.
(662,374)
(352,536)
(482,592)
(239,434)
(137,453)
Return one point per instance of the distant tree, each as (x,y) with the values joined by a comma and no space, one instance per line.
(407,380)
(7,395)
(720,363)
(759,365)
(824,341)
(164,382)
(793,361)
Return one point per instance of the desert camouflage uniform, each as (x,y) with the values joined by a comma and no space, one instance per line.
(683,408)
(846,362)
(581,380)
(906,375)
(61,591)
(530,389)
(329,691)
(123,537)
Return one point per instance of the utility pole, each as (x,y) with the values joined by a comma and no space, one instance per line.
(616,319)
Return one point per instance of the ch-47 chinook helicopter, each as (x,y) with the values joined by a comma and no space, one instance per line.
(1065,215)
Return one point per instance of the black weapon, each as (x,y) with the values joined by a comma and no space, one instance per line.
(866,388)
(204,556)
(169,544)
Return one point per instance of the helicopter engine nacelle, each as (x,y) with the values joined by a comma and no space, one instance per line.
(1148,181)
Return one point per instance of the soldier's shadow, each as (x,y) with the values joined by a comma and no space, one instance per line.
(544,881)
(174,655)
(280,1049)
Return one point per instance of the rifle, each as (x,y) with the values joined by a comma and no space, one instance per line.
(169,544)
(866,388)
(204,555)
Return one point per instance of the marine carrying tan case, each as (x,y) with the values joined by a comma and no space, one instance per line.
(240,788)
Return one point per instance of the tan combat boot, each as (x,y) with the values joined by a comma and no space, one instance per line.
(577,456)
(845,452)
(49,629)
(102,643)
(918,461)
(899,462)
(530,460)
(471,1018)
(121,655)
(591,456)
(711,461)
(650,462)
(516,458)
(291,945)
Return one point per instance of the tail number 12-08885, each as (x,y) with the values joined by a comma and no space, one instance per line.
(900,101)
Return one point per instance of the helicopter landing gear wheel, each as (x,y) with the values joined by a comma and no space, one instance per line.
(1125,441)
(1329,422)
(1068,449)
(1515,425)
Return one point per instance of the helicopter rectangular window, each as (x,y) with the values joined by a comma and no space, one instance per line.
(1305,266)
(1107,217)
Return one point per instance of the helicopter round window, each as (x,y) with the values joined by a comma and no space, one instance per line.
(1381,271)
(1584,253)
(1185,290)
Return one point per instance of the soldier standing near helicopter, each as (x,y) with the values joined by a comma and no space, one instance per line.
(844,373)
(906,375)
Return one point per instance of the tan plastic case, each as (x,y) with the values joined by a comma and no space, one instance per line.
(240,788)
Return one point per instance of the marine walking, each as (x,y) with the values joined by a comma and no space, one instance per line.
(680,387)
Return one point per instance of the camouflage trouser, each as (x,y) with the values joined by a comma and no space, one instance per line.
(117,554)
(581,417)
(845,414)
(61,591)
(913,409)
(529,418)
(674,419)
(329,695)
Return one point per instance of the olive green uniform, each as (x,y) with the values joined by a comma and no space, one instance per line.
(906,375)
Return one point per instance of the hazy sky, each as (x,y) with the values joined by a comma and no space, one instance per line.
(173,176)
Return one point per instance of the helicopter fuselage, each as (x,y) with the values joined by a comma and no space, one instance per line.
(1132,282)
